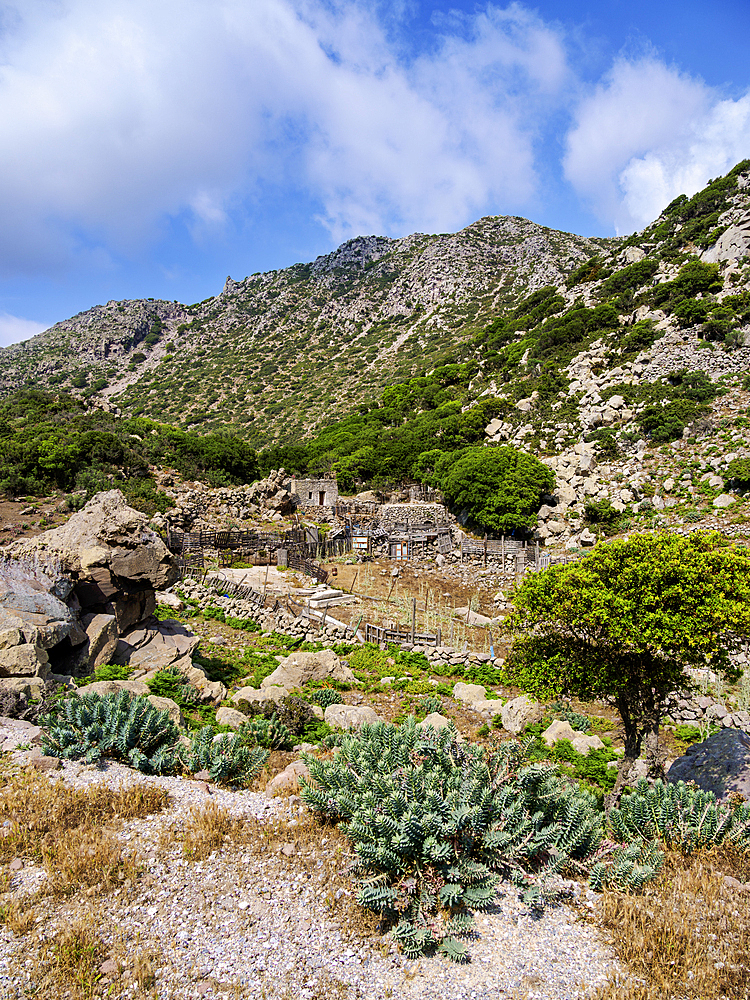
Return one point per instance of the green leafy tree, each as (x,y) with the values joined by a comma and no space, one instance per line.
(627,621)
(501,489)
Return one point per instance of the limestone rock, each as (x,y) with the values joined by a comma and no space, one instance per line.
(582,742)
(720,764)
(111,554)
(297,669)
(724,501)
(436,720)
(170,707)
(102,688)
(558,730)
(230,717)
(469,693)
(350,716)
(169,600)
(102,635)
(587,537)
(287,782)
(519,713)
(257,696)
(30,687)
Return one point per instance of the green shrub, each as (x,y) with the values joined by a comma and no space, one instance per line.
(106,672)
(226,756)
(170,683)
(120,726)
(738,471)
(601,512)
(436,823)
(683,817)
(326,696)
(268,733)
(687,733)
(483,673)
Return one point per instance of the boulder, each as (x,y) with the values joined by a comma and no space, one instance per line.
(230,717)
(297,669)
(469,693)
(110,554)
(559,730)
(436,720)
(169,600)
(287,781)
(720,764)
(101,631)
(167,705)
(258,696)
(350,716)
(213,691)
(112,687)
(724,501)
(28,687)
(581,742)
(519,713)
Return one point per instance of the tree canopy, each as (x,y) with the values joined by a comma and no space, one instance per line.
(500,489)
(627,621)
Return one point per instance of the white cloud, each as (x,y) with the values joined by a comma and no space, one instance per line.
(117,116)
(648,133)
(13,329)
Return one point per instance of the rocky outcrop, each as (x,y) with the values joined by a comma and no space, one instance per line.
(720,764)
(295,670)
(350,716)
(110,555)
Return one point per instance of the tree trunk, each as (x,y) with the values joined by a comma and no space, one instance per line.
(641,714)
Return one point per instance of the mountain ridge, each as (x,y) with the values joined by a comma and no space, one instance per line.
(375,310)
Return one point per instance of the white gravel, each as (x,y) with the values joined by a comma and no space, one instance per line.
(243,924)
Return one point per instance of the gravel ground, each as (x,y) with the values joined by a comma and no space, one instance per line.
(270,922)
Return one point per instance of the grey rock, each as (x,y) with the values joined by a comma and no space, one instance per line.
(436,720)
(257,696)
(102,639)
(519,713)
(720,764)
(297,669)
(350,716)
(170,707)
(230,717)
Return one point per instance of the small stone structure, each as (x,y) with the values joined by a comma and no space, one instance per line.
(314,492)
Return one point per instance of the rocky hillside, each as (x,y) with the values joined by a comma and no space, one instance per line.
(272,354)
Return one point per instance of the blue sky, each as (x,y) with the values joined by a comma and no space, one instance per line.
(151,149)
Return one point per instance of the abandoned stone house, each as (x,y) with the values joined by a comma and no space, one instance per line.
(314,492)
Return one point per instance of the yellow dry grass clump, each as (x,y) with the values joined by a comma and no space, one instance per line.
(64,828)
(687,936)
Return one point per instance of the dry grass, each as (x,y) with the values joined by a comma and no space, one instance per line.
(69,963)
(206,829)
(86,858)
(64,828)
(17,918)
(687,937)
(41,811)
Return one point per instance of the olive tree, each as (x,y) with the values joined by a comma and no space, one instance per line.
(627,621)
